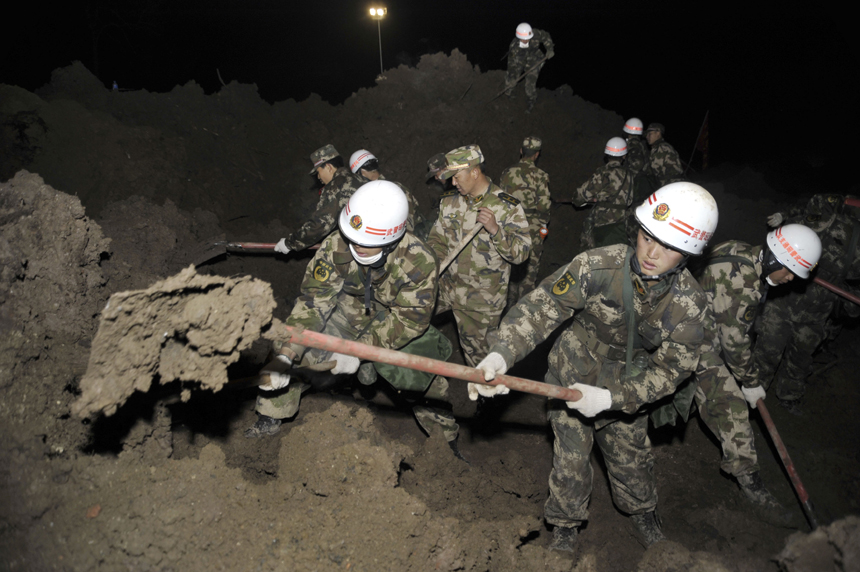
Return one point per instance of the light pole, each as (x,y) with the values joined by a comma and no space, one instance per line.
(378,14)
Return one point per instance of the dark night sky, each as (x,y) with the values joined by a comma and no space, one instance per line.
(773,80)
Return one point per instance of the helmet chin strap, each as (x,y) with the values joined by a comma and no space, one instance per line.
(634,265)
(378,260)
(769,264)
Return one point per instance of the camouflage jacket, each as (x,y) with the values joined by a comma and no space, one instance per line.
(403,295)
(638,154)
(531,55)
(592,351)
(530,185)
(664,163)
(333,197)
(478,277)
(610,189)
(734,291)
(415,217)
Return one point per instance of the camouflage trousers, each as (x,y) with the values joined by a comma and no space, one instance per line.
(524,276)
(626,451)
(724,410)
(784,349)
(516,66)
(473,324)
(431,407)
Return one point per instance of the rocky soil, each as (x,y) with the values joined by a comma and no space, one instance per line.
(104,192)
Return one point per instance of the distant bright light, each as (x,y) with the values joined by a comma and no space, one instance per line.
(378,12)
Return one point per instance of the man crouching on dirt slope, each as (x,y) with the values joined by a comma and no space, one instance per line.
(339,183)
(372,282)
(636,335)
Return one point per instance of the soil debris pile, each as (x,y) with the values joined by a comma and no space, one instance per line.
(189,328)
(834,547)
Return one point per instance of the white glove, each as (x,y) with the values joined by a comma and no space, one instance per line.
(594,400)
(753,394)
(775,220)
(492,365)
(282,247)
(275,370)
(345,363)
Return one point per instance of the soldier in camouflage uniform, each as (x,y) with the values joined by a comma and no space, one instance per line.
(524,53)
(637,149)
(530,185)
(610,191)
(735,279)
(475,285)
(373,286)
(794,325)
(617,369)
(365,166)
(664,164)
(339,184)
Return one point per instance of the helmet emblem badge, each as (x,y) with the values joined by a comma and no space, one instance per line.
(661,212)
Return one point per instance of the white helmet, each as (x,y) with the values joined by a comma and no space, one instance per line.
(359,158)
(375,214)
(633,126)
(796,247)
(616,147)
(681,215)
(524,32)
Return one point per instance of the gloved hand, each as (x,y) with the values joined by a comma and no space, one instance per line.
(594,400)
(275,369)
(492,365)
(550,54)
(753,394)
(282,247)
(775,220)
(345,363)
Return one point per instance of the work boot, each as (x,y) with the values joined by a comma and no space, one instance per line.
(564,538)
(265,425)
(648,527)
(767,507)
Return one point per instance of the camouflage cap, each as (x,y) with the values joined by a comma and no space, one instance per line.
(461,158)
(532,144)
(435,164)
(656,127)
(821,211)
(322,155)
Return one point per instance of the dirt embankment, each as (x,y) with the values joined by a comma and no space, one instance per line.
(134,181)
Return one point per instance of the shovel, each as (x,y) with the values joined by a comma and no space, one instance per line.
(217,246)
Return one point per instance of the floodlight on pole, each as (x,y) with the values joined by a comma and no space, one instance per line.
(378,14)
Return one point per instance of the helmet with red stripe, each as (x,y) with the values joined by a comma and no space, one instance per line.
(633,126)
(616,147)
(375,215)
(524,32)
(796,247)
(682,215)
(358,159)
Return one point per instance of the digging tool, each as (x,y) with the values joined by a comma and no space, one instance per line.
(521,77)
(459,248)
(836,289)
(217,248)
(852,202)
(317,340)
(263,377)
(802,495)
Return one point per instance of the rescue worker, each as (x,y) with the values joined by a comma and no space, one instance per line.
(339,184)
(610,191)
(524,53)
(637,148)
(794,325)
(735,278)
(635,336)
(530,185)
(664,164)
(372,282)
(475,285)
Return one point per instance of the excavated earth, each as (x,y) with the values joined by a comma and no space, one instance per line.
(105,193)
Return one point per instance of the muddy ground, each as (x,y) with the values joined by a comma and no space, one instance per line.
(105,192)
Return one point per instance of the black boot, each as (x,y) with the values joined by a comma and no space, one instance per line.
(648,527)
(265,425)
(564,538)
(767,507)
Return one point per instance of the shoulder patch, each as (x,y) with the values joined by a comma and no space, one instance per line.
(509,199)
(563,284)
(749,315)
(450,193)
(322,270)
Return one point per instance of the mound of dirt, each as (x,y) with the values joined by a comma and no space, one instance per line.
(834,547)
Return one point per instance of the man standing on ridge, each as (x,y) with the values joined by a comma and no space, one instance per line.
(524,54)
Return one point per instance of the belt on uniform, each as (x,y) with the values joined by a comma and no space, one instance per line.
(610,352)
